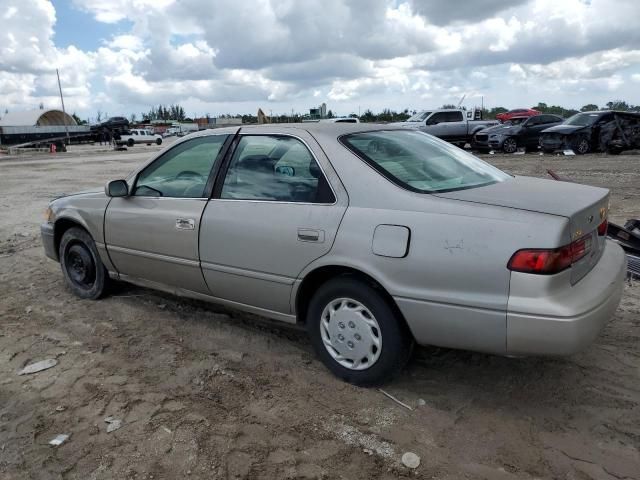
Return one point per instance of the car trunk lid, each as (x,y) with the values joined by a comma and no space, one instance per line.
(586,208)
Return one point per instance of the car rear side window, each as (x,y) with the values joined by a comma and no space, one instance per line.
(275,168)
(421,163)
(183,171)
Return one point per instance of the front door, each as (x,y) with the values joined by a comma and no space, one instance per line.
(273,212)
(153,233)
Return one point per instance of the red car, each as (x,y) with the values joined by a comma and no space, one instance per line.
(518,112)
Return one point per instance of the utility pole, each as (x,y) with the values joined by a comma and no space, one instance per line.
(64,117)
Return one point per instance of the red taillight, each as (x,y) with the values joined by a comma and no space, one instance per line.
(549,261)
(602,228)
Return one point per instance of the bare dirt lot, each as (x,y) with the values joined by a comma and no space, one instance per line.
(205,392)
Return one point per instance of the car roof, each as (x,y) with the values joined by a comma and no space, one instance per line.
(324,128)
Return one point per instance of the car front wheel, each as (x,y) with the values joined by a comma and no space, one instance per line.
(356,333)
(130,142)
(158,141)
(509,145)
(82,268)
(582,146)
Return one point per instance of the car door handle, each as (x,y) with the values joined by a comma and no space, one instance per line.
(185,224)
(310,235)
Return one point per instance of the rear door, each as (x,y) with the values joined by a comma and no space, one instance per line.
(276,208)
(153,234)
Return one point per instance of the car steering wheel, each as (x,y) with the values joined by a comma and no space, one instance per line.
(188,174)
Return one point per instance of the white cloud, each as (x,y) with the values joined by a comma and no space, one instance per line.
(374,53)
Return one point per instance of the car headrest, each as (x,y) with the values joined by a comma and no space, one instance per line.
(314,169)
(257,163)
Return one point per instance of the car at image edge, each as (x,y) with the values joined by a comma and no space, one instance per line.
(372,237)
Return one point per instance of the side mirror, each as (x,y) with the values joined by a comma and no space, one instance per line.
(117,188)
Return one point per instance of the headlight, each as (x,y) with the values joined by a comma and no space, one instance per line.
(48,215)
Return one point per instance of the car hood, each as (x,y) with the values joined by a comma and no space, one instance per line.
(502,129)
(86,193)
(536,195)
(564,129)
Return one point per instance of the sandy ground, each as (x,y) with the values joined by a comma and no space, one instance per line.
(205,392)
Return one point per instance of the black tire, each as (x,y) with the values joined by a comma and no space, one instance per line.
(158,141)
(510,145)
(614,151)
(396,340)
(130,142)
(82,268)
(581,146)
(548,150)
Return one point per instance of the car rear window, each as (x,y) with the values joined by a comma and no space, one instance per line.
(421,163)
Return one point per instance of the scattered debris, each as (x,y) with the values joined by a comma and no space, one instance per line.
(38,366)
(28,310)
(421,402)
(166,429)
(411,460)
(113,424)
(59,439)
(568,152)
(60,408)
(388,395)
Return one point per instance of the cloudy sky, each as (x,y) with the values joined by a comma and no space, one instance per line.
(215,57)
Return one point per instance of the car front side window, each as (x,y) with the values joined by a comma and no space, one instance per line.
(275,168)
(183,171)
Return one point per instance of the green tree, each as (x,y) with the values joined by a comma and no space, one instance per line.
(78,120)
(618,105)
(589,107)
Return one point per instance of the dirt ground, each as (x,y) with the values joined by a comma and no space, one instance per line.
(206,392)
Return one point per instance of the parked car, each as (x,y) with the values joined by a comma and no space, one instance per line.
(453,125)
(112,123)
(604,131)
(519,132)
(517,112)
(341,120)
(372,237)
(134,136)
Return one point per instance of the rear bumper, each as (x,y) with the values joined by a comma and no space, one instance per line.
(568,318)
(48,241)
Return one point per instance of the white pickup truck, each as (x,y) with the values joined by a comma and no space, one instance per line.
(453,125)
(139,136)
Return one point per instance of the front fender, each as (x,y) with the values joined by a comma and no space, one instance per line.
(84,210)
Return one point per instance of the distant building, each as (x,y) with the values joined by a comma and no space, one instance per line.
(318,113)
(37,118)
(18,128)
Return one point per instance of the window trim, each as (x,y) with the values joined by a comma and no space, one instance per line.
(213,172)
(224,167)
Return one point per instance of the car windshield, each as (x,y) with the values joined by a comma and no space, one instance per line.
(419,117)
(583,119)
(421,163)
(515,121)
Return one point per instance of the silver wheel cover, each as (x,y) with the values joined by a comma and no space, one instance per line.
(351,334)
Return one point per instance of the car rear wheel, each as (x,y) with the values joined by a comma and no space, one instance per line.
(82,268)
(130,142)
(509,145)
(356,333)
